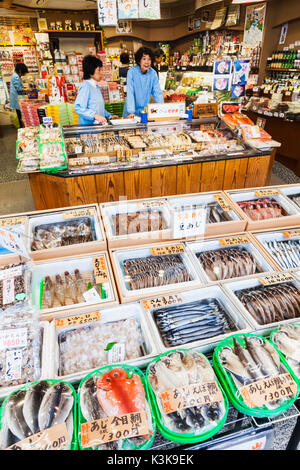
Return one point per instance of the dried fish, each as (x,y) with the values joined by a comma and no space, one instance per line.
(285,252)
(287,340)
(140,221)
(59,290)
(48,292)
(80,285)
(262,208)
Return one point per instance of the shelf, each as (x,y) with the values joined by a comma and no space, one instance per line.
(271,69)
(69,31)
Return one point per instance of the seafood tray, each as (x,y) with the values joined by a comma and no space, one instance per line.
(286,338)
(71,283)
(217,260)
(142,272)
(188,375)
(134,222)
(117,334)
(33,409)
(292,192)
(219,221)
(283,247)
(70,230)
(256,378)
(15,278)
(116,392)
(265,305)
(264,211)
(193,318)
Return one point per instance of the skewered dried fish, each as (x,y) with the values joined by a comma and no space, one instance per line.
(285,252)
(71,288)
(262,208)
(48,292)
(59,290)
(80,285)
(140,221)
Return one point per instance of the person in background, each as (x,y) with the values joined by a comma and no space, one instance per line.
(158,58)
(124,59)
(17,88)
(89,103)
(142,82)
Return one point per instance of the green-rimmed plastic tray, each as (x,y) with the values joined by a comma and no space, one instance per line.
(277,346)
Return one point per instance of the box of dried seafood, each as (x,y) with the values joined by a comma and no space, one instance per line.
(283,246)
(221,215)
(264,208)
(153,269)
(286,338)
(267,299)
(71,283)
(83,342)
(230,257)
(71,230)
(132,223)
(291,191)
(192,318)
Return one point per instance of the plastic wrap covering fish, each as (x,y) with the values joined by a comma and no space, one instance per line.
(285,252)
(287,339)
(295,198)
(228,263)
(244,360)
(268,304)
(14,284)
(140,221)
(192,321)
(85,348)
(70,232)
(172,374)
(262,209)
(115,392)
(35,408)
(153,271)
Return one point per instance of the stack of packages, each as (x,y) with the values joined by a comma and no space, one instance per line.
(72,116)
(29,111)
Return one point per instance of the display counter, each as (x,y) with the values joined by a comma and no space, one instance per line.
(150,160)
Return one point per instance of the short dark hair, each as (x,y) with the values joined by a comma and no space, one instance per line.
(140,52)
(21,68)
(89,65)
(124,58)
(158,52)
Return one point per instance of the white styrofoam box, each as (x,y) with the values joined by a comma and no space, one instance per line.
(232,287)
(290,190)
(213,291)
(108,315)
(215,244)
(59,266)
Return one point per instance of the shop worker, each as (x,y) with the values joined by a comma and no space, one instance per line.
(142,82)
(123,70)
(89,103)
(17,88)
(158,58)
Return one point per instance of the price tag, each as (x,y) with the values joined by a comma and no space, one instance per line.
(168,250)
(13,338)
(77,320)
(91,296)
(80,161)
(11,273)
(85,212)
(150,204)
(189,222)
(238,240)
(12,221)
(100,270)
(268,390)
(276,278)
(54,438)
(267,192)
(78,149)
(114,428)
(226,206)
(292,234)
(163,301)
(117,353)
(191,395)
(281,115)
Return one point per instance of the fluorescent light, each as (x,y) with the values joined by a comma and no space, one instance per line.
(245,1)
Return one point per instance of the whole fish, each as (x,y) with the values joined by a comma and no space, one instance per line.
(71,288)
(56,405)
(89,404)
(80,285)
(262,208)
(48,292)
(32,401)
(60,290)
(247,360)
(261,356)
(15,417)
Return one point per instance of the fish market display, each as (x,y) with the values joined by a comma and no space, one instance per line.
(262,208)
(268,304)
(228,263)
(113,392)
(285,252)
(243,360)
(187,322)
(215,213)
(13,284)
(140,221)
(173,371)
(69,232)
(295,198)
(87,347)
(287,339)
(154,271)
(35,408)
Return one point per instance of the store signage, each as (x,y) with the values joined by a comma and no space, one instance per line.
(77,320)
(149,9)
(254,24)
(100,270)
(107,12)
(269,390)
(276,278)
(189,222)
(158,111)
(162,301)
(168,250)
(128,9)
(54,438)
(13,241)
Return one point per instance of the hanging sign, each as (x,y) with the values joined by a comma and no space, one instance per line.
(13,241)
(254,24)
(149,9)
(128,9)
(107,12)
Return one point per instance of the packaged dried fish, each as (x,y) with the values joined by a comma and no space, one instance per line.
(189,404)
(262,208)
(140,221)
(32,410)
(257,380)
(14,284)
(287,339)
(295,198)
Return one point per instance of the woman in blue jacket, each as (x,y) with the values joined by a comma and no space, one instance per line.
(142,82)
(89,104)
(16,88)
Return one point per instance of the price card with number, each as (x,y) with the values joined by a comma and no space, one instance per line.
(168,250)
(268,390)
(54,438)
(76,320)
(276,278)
(12,221)
(237,240)
(267,192)
(162,301)
(84,212)
(223,203)
(189,222)
(100,269)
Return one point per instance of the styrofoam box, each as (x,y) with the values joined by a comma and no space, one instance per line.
(214,244)
(133,239)
(59,266)
(54,216)
(127,295)
(263,237)
(235,225)
(249,195)
(44,360)
(231,287)
(290,190)
(108,315)
(206,292)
